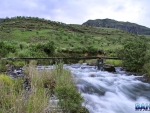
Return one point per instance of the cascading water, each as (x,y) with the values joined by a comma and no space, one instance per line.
(106,92)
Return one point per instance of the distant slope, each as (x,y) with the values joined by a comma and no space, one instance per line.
(126,26)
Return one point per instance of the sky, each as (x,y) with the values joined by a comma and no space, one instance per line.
(79,11)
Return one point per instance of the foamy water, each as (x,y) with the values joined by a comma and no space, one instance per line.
(106,92)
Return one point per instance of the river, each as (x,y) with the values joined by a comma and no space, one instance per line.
(106,92)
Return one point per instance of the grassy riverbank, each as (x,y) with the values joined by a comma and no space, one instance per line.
(14,99)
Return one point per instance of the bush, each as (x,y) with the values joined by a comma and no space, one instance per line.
(43,49)
(49,48)
(134,54)
(92,50)
(24,53)
(69,98)
(5,48)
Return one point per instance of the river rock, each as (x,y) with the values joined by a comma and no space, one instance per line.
(91,64)
(109,68)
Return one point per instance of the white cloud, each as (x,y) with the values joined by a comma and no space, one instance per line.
(79,11)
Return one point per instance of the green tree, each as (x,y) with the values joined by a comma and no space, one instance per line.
(134,54)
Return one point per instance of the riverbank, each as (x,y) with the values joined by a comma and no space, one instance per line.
(43,85)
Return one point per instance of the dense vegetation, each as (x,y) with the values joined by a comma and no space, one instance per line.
(135,54)
(126,26)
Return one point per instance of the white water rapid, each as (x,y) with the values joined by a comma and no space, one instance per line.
(106,92)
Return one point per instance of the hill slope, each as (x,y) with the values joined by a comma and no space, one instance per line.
(29,31)
(126,26)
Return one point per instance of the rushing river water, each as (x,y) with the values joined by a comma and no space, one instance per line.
(106,92)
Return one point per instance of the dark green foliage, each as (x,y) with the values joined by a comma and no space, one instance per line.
(49,48)
(24,53)
(70,99)
(5,48)
(42,49)
(134,54)
(92,50)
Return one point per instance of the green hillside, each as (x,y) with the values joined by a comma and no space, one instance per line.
(35,37)
(28,31)
(126,26)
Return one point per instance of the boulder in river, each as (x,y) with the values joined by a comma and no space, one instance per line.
(109,68)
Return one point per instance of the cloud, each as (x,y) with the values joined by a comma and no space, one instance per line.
(79,11)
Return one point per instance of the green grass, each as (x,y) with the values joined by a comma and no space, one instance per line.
(13,97)
(35,30)
(114,62)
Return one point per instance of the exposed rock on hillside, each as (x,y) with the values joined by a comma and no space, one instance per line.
(126,26)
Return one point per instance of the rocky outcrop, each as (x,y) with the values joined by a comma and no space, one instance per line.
(125,26)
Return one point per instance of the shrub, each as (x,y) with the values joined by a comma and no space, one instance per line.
(24,53)
(69,98)
(5,48)
(134,54)
(92,50)
(49,48)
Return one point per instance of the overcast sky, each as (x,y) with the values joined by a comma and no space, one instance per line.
(79,11)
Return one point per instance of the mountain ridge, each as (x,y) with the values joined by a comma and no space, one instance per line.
(126,26)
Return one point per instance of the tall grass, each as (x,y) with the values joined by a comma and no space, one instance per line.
(15,99)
